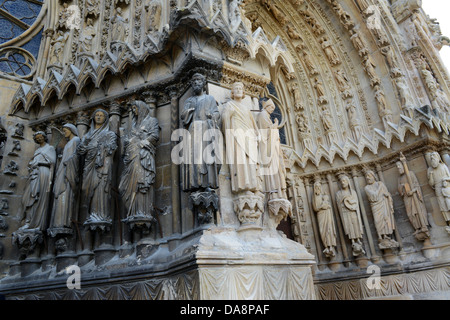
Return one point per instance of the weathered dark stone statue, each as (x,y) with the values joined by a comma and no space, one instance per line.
(37,193)
(36,197)
(200,114)
(65,185)
(98,147)
(138,176)
(201,117)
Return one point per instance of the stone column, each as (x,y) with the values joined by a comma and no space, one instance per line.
(82,123)
(42,67)
(175,169)
(114,116)
(84,238)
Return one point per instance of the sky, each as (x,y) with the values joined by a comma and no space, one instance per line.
(440,9)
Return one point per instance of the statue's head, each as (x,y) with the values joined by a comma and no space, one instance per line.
(142,109)
(268,105)
(370,176)
(435,159)
(345,180)
(400,167)
(69,129)
(40,137)
(317,187)
(100,116)
(237,91)
(198,83)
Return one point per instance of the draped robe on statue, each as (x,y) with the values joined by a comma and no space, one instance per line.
(415,208)
(272,161)
(241,134)
(327,227)
(37,192)
(200,114)
(138,177)
(348,205)
(382,208)
(98,146)
(65,186)
(439,179)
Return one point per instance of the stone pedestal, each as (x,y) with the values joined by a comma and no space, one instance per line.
(65,260)
(253,264)
(104,253)
(29,265)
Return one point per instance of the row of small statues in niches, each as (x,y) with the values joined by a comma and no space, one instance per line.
(354,221)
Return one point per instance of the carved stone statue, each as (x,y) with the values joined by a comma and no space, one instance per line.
(276,12)
(87,36)
(327,228)
(138,176)
(309,64)
(270,152)
(304,129)
(98,147)
(36,196)
(330,51)
(369,67)
(327,121)
(154,15)
(439,179)
(272,164)
(406,99)
(354,121)
(382,209)
(343,83)
(359,44)
(66,183)
(234,14)
(242,135)
(392,61)
(409,189)
(348,206)
(363,5)
(318,85)
(293,34)
(383,109)
(200,116)
(430,80)
(119,26)
(441,103)
(58,43)
(92,8)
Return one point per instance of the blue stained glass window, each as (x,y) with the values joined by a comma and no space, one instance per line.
(16,64)
(22,10)
(16,16)
(34,44)
(8,30)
